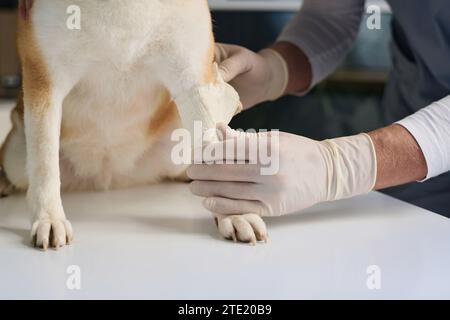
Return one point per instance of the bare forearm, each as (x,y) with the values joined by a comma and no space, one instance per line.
(300,72)
(400,159)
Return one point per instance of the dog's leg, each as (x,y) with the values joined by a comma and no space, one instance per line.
(42,129)
(45,88)
(201,95)
(13,155)
(6,188)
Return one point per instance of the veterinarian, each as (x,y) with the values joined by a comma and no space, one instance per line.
(413,147)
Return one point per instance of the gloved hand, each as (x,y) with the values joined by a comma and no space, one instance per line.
(257,77)
(310,172)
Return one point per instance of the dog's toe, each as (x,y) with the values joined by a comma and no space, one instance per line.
(248,228)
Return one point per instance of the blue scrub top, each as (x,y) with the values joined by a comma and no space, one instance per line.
(421,56)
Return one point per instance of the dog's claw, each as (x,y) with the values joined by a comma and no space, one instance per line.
(233,236)
(248,228)
(45,245)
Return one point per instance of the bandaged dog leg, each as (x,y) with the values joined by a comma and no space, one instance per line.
(209,105)
(206,106)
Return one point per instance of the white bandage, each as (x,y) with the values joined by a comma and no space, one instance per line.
(209,104)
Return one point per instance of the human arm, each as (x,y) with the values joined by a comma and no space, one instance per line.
(310,172)
(311,46)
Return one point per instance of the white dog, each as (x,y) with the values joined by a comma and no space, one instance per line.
(100,102)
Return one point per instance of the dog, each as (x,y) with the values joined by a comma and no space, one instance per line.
(99,103)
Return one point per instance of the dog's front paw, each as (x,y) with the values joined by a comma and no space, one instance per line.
(248,228)
(52,233)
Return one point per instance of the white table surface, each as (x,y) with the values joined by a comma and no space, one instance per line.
(159,243)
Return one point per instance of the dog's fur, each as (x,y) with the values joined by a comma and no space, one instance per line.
(97,109)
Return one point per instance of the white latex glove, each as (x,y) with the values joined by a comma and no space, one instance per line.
(257,77)
(310,172)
